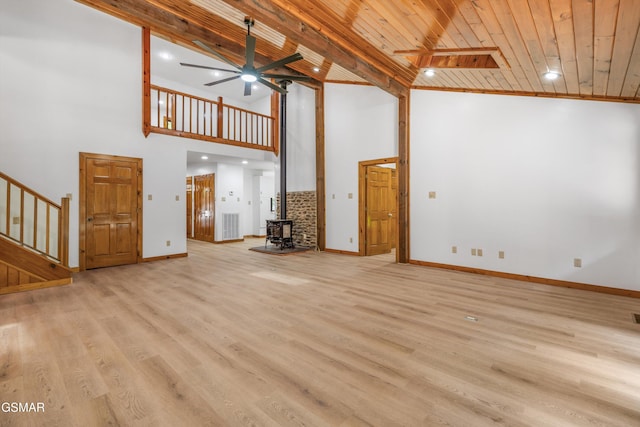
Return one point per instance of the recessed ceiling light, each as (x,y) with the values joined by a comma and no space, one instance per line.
(551,75)
(244,162)
(316,69)
(215,73)
(429,73)
(204,157)
(165,55)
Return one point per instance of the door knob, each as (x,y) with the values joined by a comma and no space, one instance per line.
(390,214)
(89,219)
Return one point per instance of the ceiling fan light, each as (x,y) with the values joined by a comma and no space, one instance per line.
(429,73)
(250,78)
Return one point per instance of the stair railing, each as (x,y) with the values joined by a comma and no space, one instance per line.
(180,114)
(33,221)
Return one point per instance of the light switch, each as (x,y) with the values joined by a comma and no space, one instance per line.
(432,194)
(149,197)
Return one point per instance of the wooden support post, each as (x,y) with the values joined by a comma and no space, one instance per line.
(220,127)
(321,213)
(275,113)
(402,252)
(146,81)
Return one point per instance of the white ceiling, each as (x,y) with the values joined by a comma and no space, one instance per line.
(194,159)
(165,63)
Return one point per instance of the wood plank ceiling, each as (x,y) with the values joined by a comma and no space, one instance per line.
(594,45)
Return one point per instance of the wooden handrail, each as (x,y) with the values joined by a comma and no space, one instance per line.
(181,114)
(41,216)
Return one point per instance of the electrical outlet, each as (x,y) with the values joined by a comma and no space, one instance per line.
(577,262)
(473,252)
(432,194)
(350,195)
(16,220)
(454,249)
(177,198)
(333,196)
(501,254)
(479,252)
(350,239)
(168,242)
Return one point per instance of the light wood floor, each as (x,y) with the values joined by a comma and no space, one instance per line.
(231,337)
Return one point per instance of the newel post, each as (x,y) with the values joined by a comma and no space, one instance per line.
(63,232)
(220,126)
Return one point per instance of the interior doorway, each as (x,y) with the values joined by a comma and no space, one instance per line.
(110,210)
(203,188)
(378,206)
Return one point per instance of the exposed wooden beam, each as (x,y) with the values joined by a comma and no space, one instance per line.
(300,27)
(321,217)
(227,39)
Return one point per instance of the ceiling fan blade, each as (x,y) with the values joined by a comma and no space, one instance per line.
(217,82)
(209,68)
(219,55)
(250,50)
(287,77)
(291,58)
(247,88)
(271,85)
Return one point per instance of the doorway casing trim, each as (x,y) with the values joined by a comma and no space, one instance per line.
(82,217)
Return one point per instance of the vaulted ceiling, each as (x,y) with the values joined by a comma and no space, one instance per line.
(492,46)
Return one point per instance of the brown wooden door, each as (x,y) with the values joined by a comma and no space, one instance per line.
(189,207)
(204,207)
(111,207)
(379,211)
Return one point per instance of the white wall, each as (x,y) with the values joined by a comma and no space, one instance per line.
(301,139)
(544,180)
(361,123)
(229,196)
(70,83)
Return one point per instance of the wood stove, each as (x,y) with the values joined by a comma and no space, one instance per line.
(280,233)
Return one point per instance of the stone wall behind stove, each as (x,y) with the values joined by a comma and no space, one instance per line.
(301,208)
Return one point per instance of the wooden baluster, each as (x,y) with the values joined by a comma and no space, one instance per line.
(166,110)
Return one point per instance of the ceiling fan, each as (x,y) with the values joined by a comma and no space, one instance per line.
(248,72)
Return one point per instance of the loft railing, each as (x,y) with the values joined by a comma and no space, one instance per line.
(180,114)
(34,221)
